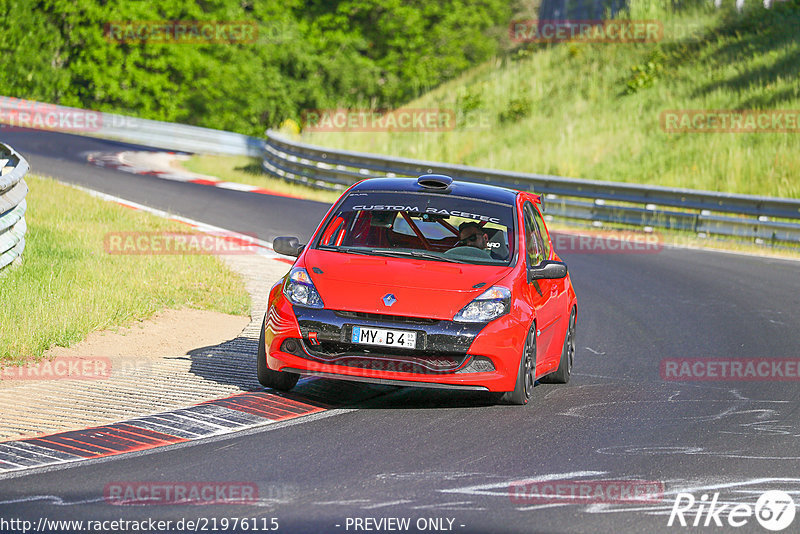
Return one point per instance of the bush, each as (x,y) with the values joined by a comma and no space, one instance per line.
(647,74)
(470,100)
(516,109)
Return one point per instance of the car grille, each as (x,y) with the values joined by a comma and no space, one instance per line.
(384,358)
(417,365)
(386,318)
(478,364)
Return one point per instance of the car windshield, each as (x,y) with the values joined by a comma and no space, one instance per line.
(426,226)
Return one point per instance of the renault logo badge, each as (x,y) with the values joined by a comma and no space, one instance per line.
(389,299)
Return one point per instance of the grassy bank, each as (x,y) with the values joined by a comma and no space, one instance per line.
(593,110)
(68,286)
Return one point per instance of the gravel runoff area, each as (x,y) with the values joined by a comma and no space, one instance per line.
(174,360)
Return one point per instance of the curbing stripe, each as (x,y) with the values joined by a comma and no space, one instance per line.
(196,424)
(222,413)
(61,444)
(99,441)
(116,160)
(17,460)
(277,408)
(210,418)
(8,459)
(161,424)
(29,450)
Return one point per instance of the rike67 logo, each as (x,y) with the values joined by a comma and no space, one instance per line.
(774,510)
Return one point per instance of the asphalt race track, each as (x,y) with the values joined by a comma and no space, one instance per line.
(448,461)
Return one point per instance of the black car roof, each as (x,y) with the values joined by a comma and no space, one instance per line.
(463,189)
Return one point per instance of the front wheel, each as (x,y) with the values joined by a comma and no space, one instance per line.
(562,374)
(267,377)
(526,376)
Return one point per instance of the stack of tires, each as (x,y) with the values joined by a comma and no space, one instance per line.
(13,189)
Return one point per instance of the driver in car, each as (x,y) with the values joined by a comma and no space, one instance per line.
(471,234)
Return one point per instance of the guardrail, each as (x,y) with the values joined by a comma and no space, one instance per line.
(760,219)
(13,189)
(764,220)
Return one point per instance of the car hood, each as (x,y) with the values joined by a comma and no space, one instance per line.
(422,288)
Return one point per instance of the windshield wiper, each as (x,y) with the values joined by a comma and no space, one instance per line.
(415,254)
(389,253)
(346,250)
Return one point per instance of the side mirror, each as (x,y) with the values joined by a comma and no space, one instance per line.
(289,246)
(548,269)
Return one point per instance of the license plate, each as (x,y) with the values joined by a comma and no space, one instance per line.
(387,338)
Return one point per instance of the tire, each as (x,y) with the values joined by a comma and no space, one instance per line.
(526,376)
(562,374)
(267,377)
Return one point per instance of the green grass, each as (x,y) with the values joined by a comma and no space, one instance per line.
(68,286)
(592,110)
(247,170)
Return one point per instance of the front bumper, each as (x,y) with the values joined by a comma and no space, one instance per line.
(448,354)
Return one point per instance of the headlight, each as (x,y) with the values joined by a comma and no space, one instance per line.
(493,303)
(300,290)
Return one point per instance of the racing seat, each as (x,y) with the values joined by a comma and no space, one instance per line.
(497,244)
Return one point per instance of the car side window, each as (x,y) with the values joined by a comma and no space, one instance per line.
(537,217)
(534,246)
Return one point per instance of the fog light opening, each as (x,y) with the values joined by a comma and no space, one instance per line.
(290,345)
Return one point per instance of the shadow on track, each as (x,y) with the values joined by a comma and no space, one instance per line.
(233,363)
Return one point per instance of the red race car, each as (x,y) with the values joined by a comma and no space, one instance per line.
(424,282)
